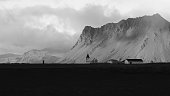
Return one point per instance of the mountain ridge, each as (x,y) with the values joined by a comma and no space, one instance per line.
(144,37)
(90,31)
(37,56)
(8,55)
(33,56)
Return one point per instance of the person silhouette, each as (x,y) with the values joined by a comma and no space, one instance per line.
(43,61)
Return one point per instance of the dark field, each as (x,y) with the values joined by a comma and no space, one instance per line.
(85,80)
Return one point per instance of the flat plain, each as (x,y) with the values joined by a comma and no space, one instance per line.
(84,79)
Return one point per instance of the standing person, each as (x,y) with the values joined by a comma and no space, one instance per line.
(43,61)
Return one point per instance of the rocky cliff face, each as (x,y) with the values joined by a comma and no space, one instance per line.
(146,38)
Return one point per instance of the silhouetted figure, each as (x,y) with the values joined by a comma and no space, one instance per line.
(43,61)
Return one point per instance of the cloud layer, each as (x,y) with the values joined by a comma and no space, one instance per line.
(57,24)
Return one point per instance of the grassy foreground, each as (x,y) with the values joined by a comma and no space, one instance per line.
(84,80)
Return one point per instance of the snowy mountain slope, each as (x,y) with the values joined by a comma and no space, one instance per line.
(4,58)
(146,37)
(8,55)
(36,56)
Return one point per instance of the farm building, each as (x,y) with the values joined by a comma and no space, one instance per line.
(133,61)
(112,61)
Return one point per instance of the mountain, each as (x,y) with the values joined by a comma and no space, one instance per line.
(55,51)
(4,58)
(8,55)
(146,38)
(36,56)
(32,56)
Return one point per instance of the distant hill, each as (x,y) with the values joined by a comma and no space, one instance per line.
(56,51)
(8,55)
(32,56)
(37,56)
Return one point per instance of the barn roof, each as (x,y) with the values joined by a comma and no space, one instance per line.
(112,60)
(135,60)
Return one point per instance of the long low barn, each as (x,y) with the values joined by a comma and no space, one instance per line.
(133,61)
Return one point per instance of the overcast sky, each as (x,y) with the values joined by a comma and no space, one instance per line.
(38,24)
